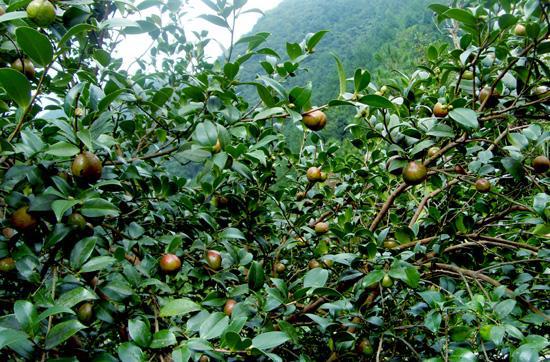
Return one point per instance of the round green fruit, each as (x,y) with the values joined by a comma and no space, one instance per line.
(214,259)
(87,167)
(321,228)
(22,220)
(483,186)
(228,307)
(170,263)
(42,12)
(541,164)
(390,244)
(432,151)
(485,332)
(520,30)
(315,120)
(468,75)
(7,264)
(313,174)
(85,312)
(414,173)
(77,221)
(387,281)
(24,66)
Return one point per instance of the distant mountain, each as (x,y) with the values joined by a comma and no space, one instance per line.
(378,35)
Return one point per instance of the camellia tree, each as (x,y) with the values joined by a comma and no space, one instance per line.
(158,215)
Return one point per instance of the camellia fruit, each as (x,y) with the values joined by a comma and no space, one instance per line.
(315,120)
(541,91)
(520,30)
(228,307)
(364,347)
(313,264)
(432,151)
(485,332)
(468,75)
(387,281)
(390,244)
(280,267)
(490,99)
(22,220)
(77,221)
(87,166)
(483,186)
(541,164)
(414,173)
(324,176)
(321,227)
(85,312)
(440,110)
(2,10)
(8,233)
(300,196)
(313,174)
(214,259)
(460,170)
(42,12)
(24,66)
(7,264)
(170,263)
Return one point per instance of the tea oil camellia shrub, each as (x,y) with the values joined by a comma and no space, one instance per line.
(158,215)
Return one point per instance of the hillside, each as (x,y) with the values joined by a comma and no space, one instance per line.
(378,35)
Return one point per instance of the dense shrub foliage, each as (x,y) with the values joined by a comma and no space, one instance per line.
(423,236)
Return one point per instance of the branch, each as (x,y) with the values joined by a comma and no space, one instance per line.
(425,201)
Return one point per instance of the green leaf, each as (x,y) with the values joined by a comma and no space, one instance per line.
(269,113)
(56,309)
(513,166)
(74,296)
(315,39)
(293,50)
(316,278)
(62,149)
(182,354)
(163,339)
(36,45)
(406,273)
(98,208)
(97,263)
(26,315)
(373,277)
(178,307)
(504,308)
(216,20)
(540,201)
(82,251)
(465,117)
(463,16)
(214,326)
(61,332)
(376,101)
(269,340)
(140,331)
(13,15)
(432,321)
(232,233)
(341,75)
(77,29)
(462,355)
(129,352)
(11,336)
(256,276)
(59,207)
(16,85)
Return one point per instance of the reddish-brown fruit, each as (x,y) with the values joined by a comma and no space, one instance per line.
(321,227)
(87,166)
(22,220)
(204,358)
(313,174)
(414,173)
(313,264)
(7,264)
(214,259)
(8,233)
(440,110)
(483,186)
(460,170)
(26,67)
(85,312)
(228,307)
(170,263)
(541,164)
(315,120)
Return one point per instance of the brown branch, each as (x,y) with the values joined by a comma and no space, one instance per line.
(501,215)
(415,243)
(146,157)
(426,199)
(503,241)
(479,243)
(401,188)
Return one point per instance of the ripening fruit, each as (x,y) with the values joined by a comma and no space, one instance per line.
(387,281)
(365,348)
(77,221)
(324,176)
(390,244)
(85,312)
(493,99)
(440,110)
(217,147)
(520,30)
(414,173)
(541,91)
(214,259)
(483,186)
(315,120)
(468,75)
(220,201)
(321,227)
(541,164)
(313,174)
(313,264)
(42,12)
(170,263)
(460,170)
(204,358)
(300,196)
(22,220)
(26,67)
(7,264)
(228,307)
(280,267)
(87,167)
(432,151)
(2,10)
(8,233)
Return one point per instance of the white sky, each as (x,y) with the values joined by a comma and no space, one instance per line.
(135,45)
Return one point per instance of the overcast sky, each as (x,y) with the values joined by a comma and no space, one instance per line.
(134,45)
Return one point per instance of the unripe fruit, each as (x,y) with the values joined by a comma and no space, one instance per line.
(390,244)
(541,91)
(228,307)
(328,262)
(324,176)
(280,267)
(520,30)
(483,186)
(214,259)
(414,173)
(217,147)
(313,174)
(22,220)
(26,67)
(432,151)
(315,120)
(384,89)
(365,348)
(42,12)
(7,264)
(77,221)
(87,167)
(313,264)
(387,281)
(321,227)
(170,263)
(468,75)
(300,195)
(541,164)
(85,312)
(2,10)
(440,110)
(492,100)
(485,332)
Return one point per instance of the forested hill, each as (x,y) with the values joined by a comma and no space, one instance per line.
(378,35)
